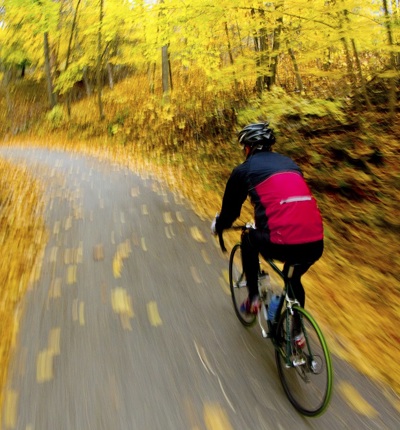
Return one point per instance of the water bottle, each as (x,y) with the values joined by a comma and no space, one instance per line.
(273,307)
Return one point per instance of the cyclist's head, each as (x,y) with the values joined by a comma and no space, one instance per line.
(257,137)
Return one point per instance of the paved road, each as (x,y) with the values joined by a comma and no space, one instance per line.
(131,324)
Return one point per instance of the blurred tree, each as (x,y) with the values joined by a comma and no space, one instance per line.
(166,73)
(238,45)
(49,78)
(46,13)
(69,50)
(393,75)
(99,62)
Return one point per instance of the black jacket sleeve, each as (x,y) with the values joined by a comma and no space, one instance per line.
(235,194)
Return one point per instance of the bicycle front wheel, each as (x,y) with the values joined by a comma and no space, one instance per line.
(306,374)
(238,285)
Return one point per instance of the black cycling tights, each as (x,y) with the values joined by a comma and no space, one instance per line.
(302,256)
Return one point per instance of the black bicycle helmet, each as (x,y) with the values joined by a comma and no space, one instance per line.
(257,135)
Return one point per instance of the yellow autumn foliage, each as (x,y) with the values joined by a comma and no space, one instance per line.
(22,236)
(353,290)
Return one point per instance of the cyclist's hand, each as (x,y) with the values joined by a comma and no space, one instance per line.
(214,225)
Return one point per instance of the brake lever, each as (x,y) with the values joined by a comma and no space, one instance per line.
(221,242)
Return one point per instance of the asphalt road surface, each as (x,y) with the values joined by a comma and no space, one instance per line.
(131,324)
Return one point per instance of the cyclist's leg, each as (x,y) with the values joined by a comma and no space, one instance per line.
(250,251)
(297,286)
(302,256)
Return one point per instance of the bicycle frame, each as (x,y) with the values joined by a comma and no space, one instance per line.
(287,288)
(307,366)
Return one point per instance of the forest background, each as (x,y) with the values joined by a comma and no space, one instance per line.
(164,87)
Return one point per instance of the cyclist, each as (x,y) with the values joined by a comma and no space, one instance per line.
(288,222)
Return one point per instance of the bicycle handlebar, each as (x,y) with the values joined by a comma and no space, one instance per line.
(242,227)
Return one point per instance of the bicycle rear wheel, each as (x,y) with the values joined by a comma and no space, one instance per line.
(307,375)
(238,285)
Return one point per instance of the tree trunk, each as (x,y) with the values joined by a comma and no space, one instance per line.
(360,73)
(349,64)
(230,54)
(98,66)
(271,79)
(153,77)
(296,71)
(110,76)
(88,88)
(72,34)
(261,47)
(170,72)
(165,72)
(229,43)
(47,66)
(358,66)
(393,65)
(166,76)
(69,53)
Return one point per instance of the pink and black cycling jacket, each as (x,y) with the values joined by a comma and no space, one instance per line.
(284,207)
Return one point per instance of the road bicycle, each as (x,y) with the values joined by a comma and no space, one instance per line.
(305,372)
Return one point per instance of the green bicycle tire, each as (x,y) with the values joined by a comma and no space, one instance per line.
(308,386)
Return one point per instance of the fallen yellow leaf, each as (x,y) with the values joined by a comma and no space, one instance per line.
(356,401)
